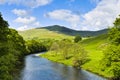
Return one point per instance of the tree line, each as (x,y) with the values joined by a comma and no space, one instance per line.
(12,49)
(111,59)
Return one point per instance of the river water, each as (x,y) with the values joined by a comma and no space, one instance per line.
(37,68)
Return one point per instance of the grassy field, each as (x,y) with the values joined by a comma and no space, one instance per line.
(95,47)
(42,34)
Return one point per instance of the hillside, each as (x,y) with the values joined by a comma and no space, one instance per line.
(95,47)
(57,32)
(67,31)
(42,34)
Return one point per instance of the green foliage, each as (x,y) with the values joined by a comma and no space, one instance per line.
(35,46)
(64,50)
(12,49)
(114,35)
(77,38)
(117,22)
(3,23)
(80,56)
(111,60)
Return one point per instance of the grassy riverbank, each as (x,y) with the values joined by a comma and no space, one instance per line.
(95,47)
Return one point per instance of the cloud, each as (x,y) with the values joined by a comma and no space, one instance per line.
(28,26)
(95,1)
(2,1)
(37,3)
(22,28)
(64,15)
(102,16)
(20,12)
(28,3)
(27,23)
(25,20)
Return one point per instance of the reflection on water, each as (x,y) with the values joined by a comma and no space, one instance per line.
(37,68)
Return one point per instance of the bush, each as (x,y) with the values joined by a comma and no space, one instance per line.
(80,56)
(77,38)
(111,60)
(67,50)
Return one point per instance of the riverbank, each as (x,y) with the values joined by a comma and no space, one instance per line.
(69,62)
(94,47)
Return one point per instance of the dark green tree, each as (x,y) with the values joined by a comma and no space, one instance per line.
(77,38)
(111,59)
(12,50)
(3,23)
(4,31)
(114,33)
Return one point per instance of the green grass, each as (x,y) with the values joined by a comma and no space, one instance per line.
(95,47)
(42,34)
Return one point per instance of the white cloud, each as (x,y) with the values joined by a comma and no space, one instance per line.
(95,1)
(37,3)
(102,16)
(25,20)
(2,1)
(37,24)
(20,12)
(22,28)
(27,23)
(29,3)
(65,15)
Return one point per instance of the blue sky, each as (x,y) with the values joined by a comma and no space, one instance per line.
(74,14)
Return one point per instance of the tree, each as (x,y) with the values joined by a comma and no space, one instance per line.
(12,50)
(111,59)
(77,38)
(4,31)
(3,23)
(80,56)
(114,33)
(117,22)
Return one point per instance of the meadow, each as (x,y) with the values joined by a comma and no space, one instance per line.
(42,34)
(95,47)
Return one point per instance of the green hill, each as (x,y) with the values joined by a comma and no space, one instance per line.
(42,34)
(95,47)
(57,32)
(67,31)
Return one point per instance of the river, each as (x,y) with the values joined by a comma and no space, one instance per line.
(37,68)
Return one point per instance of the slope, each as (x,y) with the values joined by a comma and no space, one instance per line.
(64,30)
(42,34)
(95,47)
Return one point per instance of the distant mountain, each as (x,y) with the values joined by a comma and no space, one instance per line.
(67,31)
(42,34)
